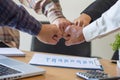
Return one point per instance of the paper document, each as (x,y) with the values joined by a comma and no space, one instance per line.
(11,52)
(66,61)
(118,63)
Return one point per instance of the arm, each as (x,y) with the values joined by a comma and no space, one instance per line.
(51,9)
(93,11)
(17,17)
(107,23)
(98,7)
(10,36)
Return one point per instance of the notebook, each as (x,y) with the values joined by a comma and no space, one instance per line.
(11,69)
(11,52)
(66,61)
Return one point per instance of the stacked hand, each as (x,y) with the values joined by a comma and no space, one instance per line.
(49,34)
(62,28)
(74,33)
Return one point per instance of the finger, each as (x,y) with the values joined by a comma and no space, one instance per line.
(61,27)
(79,24)
(76,23)
(54,37)
(76,38)
(64,26)
(57,35)
(68,43)
(67,33)
(49,41)
(73,42)
(52,42)
(66,36)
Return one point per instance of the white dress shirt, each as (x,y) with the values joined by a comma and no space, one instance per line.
(107,23)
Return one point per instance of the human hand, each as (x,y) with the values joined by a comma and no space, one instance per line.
(73,35)
(83,20)
(62,23)
(49,34)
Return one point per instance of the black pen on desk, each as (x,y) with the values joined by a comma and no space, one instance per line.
(114,61)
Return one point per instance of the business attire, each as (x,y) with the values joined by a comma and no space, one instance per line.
(96,9)
(9,36)
(107,23)
(50,8)
(17,17)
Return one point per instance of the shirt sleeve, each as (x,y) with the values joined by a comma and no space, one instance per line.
(107,23)
(98,7)
(17,17)
(50,8)
(10,36)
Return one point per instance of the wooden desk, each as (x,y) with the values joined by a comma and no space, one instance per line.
(54,73)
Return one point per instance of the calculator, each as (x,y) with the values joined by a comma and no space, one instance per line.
(93,75)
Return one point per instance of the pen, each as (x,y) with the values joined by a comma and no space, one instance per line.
(114,61)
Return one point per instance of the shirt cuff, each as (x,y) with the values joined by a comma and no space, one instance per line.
(90,32)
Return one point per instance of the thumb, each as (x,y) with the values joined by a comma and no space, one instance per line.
(67,33)
(68,43)
(57,36)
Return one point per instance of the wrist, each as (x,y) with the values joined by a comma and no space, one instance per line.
(87,17)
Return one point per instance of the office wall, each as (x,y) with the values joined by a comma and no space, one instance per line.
(71,9)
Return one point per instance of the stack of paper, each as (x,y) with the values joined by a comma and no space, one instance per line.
(66,61)
(11,52)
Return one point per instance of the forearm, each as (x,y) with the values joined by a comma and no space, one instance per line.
(107,23)
(50,8)
(17,17)
(98,7)
(53,11)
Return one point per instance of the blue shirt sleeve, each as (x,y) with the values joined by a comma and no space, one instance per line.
(17,17)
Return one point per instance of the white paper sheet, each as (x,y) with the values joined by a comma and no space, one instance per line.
(65,61)
(11,52)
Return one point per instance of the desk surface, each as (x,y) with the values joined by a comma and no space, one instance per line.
(55,73)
